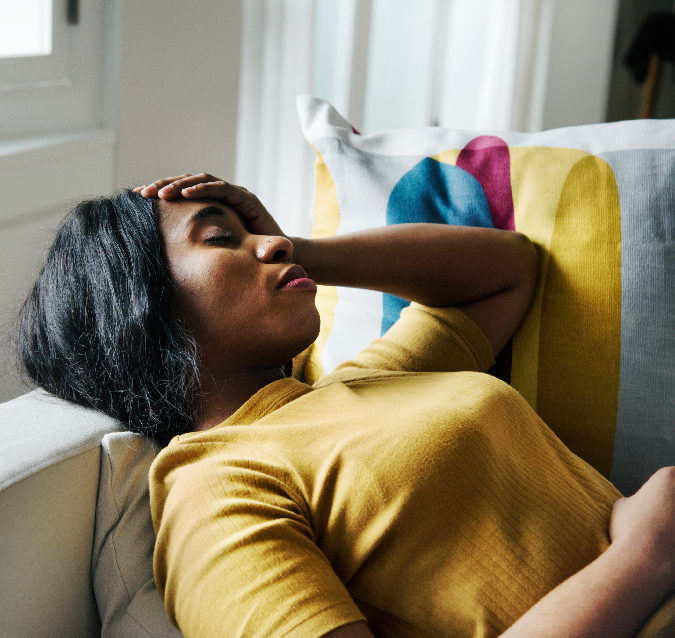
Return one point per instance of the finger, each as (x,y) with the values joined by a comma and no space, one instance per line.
(177,186)
(151,190)
(190,180)
(161,183)
(230,194)
(217,188)
(166,189)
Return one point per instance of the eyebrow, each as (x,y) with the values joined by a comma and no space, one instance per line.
(203,213)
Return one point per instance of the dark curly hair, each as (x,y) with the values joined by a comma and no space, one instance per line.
(97,329)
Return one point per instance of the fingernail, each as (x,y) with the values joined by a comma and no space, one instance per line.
(189,189)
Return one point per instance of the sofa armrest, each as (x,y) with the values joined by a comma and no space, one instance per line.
(45,543)
(50,455)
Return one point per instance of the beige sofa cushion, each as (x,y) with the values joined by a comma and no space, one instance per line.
(38,430)
(124,541)
(46,530)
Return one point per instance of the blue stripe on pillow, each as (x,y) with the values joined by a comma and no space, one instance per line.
(437,193)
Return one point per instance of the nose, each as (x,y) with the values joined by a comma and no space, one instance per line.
(273,249)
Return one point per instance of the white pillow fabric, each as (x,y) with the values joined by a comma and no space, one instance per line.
(124,541)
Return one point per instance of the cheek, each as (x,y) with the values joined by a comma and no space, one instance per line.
(213,298)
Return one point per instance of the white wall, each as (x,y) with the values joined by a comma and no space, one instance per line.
(179,77)
(22,244)
(579,62)
(40,181)
(170,108)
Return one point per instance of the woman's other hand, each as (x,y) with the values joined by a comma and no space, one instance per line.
(645,522)
(614,595)
(203,186)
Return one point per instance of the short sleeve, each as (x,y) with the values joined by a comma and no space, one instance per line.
(427,340)
(235,553)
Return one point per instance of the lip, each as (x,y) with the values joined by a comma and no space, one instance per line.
(296,277)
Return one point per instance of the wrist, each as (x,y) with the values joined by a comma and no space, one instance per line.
(646,561)
(300,250)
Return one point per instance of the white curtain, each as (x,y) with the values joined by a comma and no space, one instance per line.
(535,22)
(472,64)
(273,159)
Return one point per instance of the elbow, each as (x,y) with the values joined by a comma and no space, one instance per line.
(528,272)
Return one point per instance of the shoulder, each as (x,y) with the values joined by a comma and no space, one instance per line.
(426,339)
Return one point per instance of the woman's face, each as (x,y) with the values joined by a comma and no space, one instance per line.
(231,293)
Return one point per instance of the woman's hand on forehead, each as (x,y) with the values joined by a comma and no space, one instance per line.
(205,186)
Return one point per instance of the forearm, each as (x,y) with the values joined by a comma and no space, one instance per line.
(488,273)
(612,597)
(434,264)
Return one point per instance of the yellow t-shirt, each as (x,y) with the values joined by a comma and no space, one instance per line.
(406,487)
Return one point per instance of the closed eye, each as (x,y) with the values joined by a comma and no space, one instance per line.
(219,238)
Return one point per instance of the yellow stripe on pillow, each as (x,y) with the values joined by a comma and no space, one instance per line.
(326,223)
(566,201)
(581,315)
(538,175)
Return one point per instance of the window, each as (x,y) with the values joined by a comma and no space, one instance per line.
(25,28)
(51,71)
(55,103)
(381,63)
(472,64)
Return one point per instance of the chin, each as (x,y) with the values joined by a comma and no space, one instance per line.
(290,336)
(307,333)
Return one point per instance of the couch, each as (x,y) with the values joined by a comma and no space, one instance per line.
(76,534)
(593,356)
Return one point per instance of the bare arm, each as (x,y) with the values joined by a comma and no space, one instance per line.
(618,592)
(612,597)
(490,274)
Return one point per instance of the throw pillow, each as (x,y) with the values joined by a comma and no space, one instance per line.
(594,354)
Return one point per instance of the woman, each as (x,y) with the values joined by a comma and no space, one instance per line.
(406,489)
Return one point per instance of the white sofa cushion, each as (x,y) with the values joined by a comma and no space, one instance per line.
(38,430)
(46,532)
